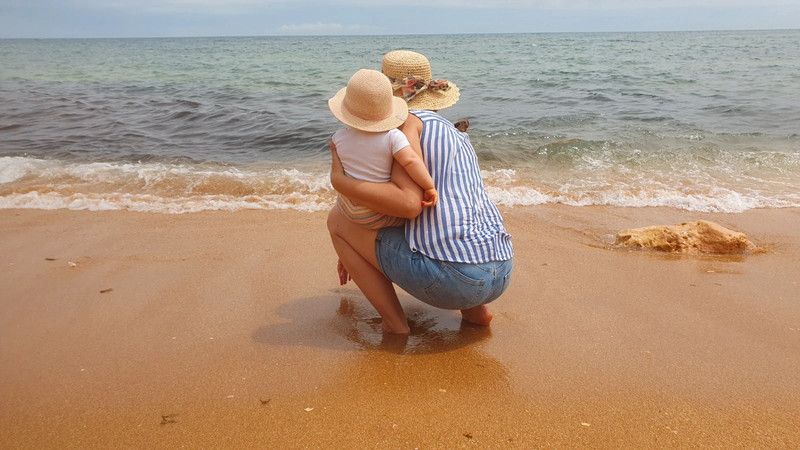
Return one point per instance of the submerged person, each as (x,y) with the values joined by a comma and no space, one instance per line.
(456,255)
(371,142)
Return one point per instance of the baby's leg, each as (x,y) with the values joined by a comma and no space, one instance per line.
(366,217)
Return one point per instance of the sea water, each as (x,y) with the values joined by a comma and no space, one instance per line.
(702,121)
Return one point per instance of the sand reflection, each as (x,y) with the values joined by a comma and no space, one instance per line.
(433,369)
(432,331)
(441,354)
(359,385)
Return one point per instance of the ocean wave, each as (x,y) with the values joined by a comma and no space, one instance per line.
(172,188)
(158,204)
(694,192)
(176,188)
(720,200)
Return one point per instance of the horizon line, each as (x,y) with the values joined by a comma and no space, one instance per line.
(723,30)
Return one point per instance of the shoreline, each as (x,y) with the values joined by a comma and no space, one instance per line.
(177,187)
(229,329)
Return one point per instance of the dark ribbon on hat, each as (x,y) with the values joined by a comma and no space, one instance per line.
(411,86)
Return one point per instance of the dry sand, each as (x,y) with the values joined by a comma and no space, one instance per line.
(228,329)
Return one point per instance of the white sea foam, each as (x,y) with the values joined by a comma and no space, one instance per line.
(690,194)
(155,204)
(718,200)
(12,168)
(158,187)
(172,188)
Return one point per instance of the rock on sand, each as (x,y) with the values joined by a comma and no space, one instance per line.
(688,237)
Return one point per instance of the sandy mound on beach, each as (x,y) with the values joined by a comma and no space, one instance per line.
(688,237)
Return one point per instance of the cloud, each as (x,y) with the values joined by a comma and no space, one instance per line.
(586,4)
(176,6)
(245,5)
(249,6)
(122,18)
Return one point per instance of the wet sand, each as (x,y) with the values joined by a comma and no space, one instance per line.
(229,329)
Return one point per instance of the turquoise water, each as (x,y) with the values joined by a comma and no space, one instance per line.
(705,121)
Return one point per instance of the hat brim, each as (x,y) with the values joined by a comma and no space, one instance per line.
(394,120)
(435,100)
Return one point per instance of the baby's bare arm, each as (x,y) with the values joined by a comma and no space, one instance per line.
(416,169)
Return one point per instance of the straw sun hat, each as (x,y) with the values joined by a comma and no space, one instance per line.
(428,93)
(367,103)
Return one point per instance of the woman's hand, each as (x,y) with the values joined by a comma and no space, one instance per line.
(344,276)
(339,180)
(336,164)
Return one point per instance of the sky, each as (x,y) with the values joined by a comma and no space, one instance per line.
(174,18)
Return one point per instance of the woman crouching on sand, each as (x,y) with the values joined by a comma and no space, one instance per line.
(455,255)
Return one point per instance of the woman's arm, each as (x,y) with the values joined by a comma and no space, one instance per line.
(401,197)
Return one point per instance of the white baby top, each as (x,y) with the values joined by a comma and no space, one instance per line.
(368,156)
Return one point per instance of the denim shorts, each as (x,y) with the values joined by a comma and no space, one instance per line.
(442,284)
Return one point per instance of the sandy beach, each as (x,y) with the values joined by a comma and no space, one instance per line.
(229,330)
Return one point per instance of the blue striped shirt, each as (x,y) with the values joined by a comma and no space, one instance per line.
(465,226)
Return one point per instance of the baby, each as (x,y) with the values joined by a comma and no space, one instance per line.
(371,142)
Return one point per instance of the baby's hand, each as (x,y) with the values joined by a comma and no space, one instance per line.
(430,197)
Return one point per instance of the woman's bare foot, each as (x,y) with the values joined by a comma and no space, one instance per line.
(401,328)
(478,315)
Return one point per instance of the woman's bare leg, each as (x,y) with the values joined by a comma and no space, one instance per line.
(355,246)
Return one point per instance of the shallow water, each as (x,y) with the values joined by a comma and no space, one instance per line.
(703,121)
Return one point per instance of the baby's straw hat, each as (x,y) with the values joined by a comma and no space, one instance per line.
(367,103)
(401,65)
